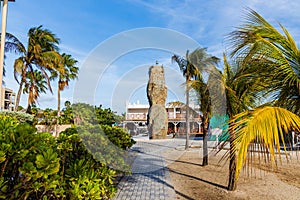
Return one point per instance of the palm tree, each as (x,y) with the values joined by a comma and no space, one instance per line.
(70,72)
(202,89)
(273,60)
(275,55)
(34,85)
(192,67)
(188,71)
(205,64)
(41,54)
(241,95)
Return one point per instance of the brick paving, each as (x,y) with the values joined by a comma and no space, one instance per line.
(150,179)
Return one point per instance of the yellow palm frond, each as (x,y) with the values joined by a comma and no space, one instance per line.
(264,126)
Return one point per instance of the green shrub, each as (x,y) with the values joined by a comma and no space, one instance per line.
(85,177)
(106,144)
(118,136)
(39,166)
(30,162)
(20,116)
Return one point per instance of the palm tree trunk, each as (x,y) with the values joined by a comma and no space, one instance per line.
(23,79)
(18,98)
(58,111)
(58,102)
(30,99)
(205,125)
(187,114)
(232,165)
(232,181)
(28,110)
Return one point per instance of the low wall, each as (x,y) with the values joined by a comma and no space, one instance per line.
(54,129)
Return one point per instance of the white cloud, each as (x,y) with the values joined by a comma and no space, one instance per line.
(210,21)
(76,53)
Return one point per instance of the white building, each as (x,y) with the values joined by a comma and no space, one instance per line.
(136,118)
(8,99)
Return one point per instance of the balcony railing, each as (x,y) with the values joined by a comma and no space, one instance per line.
(143,116)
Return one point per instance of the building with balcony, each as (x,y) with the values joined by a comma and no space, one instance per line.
(136,118)
(8,99)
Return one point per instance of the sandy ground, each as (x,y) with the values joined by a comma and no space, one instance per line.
(193,181)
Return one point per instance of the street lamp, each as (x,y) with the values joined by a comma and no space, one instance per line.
(2,44)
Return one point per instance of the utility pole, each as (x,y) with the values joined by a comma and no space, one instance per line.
(2,44)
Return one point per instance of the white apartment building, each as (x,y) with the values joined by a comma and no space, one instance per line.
(8,99)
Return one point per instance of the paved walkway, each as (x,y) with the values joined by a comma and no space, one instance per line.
(150,179)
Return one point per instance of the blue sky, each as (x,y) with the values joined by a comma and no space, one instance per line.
(84,26)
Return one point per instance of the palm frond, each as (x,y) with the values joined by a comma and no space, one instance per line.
(12,44)
(264,127)
(18,67)
(274,56)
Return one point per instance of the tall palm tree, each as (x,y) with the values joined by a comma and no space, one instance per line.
(276,56)
(273,58)
(241,95)
(203,92)
(70,73)
(205,64)
(41,54)
(193,66)
(188,71)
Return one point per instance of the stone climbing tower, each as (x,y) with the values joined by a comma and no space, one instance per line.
(157,95)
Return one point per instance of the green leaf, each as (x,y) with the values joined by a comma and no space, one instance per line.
(2,156)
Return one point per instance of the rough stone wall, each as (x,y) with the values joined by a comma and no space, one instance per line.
(157,95)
